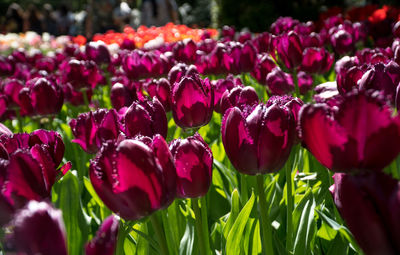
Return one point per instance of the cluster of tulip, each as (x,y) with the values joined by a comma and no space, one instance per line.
(165,126)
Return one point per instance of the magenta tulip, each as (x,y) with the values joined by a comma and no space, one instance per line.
(104,243)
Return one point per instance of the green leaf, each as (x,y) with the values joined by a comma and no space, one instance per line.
(306,224)
(235,209)
(235,236)
(92,192)
(69,203)
(187,242)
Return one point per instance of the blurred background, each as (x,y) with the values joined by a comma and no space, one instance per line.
(87,17)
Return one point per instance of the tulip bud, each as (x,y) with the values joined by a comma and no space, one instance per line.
(179,71)
(105,241)
(185,51)
(47,98)
(121,96)
(263,67)
(346,138)
(258,140)
(279,82)
(98,52)
(93,128)
(342,41)
(192,102)
(316,60)
(223,85)
(290,50)
(37,229)
(134,177)
(193,160)
(161,89)
(239,97)
(146,118)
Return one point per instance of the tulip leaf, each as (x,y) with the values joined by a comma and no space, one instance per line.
(187,242)
(92,192)
(69,203)
(305,222)
(338,246)
(235,237)
(235,209)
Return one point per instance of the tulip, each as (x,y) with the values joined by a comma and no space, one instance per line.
(28,168)
(146,118)
(316,60)
(185,51)
(373,197)
(106,238)
(193,161)
(258,140)
(138,64)
(134,177)
(11,89)
(383,78)
(279,82)
(262,68)
(263,43)
(37,229)
(223,85)
(214,62)
(160,89)
(121,96)
(228,32)
(305,82)
(342,41)
(283,24)
(347,138)
(244,37)
(80,74)
(179,71)
(98,52)
(47,98)
(290,50)
(240,57)
(240,97)
(347,79)
(192,102)
(92,129)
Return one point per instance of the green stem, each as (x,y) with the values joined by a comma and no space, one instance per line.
(265,223)
(243,189)
(20,122)
(204,220)
(199,226)
(160,234)
(121,239)
(296,84)
(289,208)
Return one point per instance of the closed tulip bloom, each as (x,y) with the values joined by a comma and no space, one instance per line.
(239,97)
(81,74)
(37,229)
(193,161)
(185,51)
(258,140)
(146,118)
(105,241)
(359,134)
(161,89)
(262,68)
(279,82)
(92,129)
(283,24)
(263,43)
(373,198)
(228,32)
(98,52)
(223,85)
(47,98)
(134,177)
(290,50)
(342,41)
(180,70)
(11,89)
(192,102)
(316,60)
(240,57)
(383,78)
(347,79)
(122,96)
